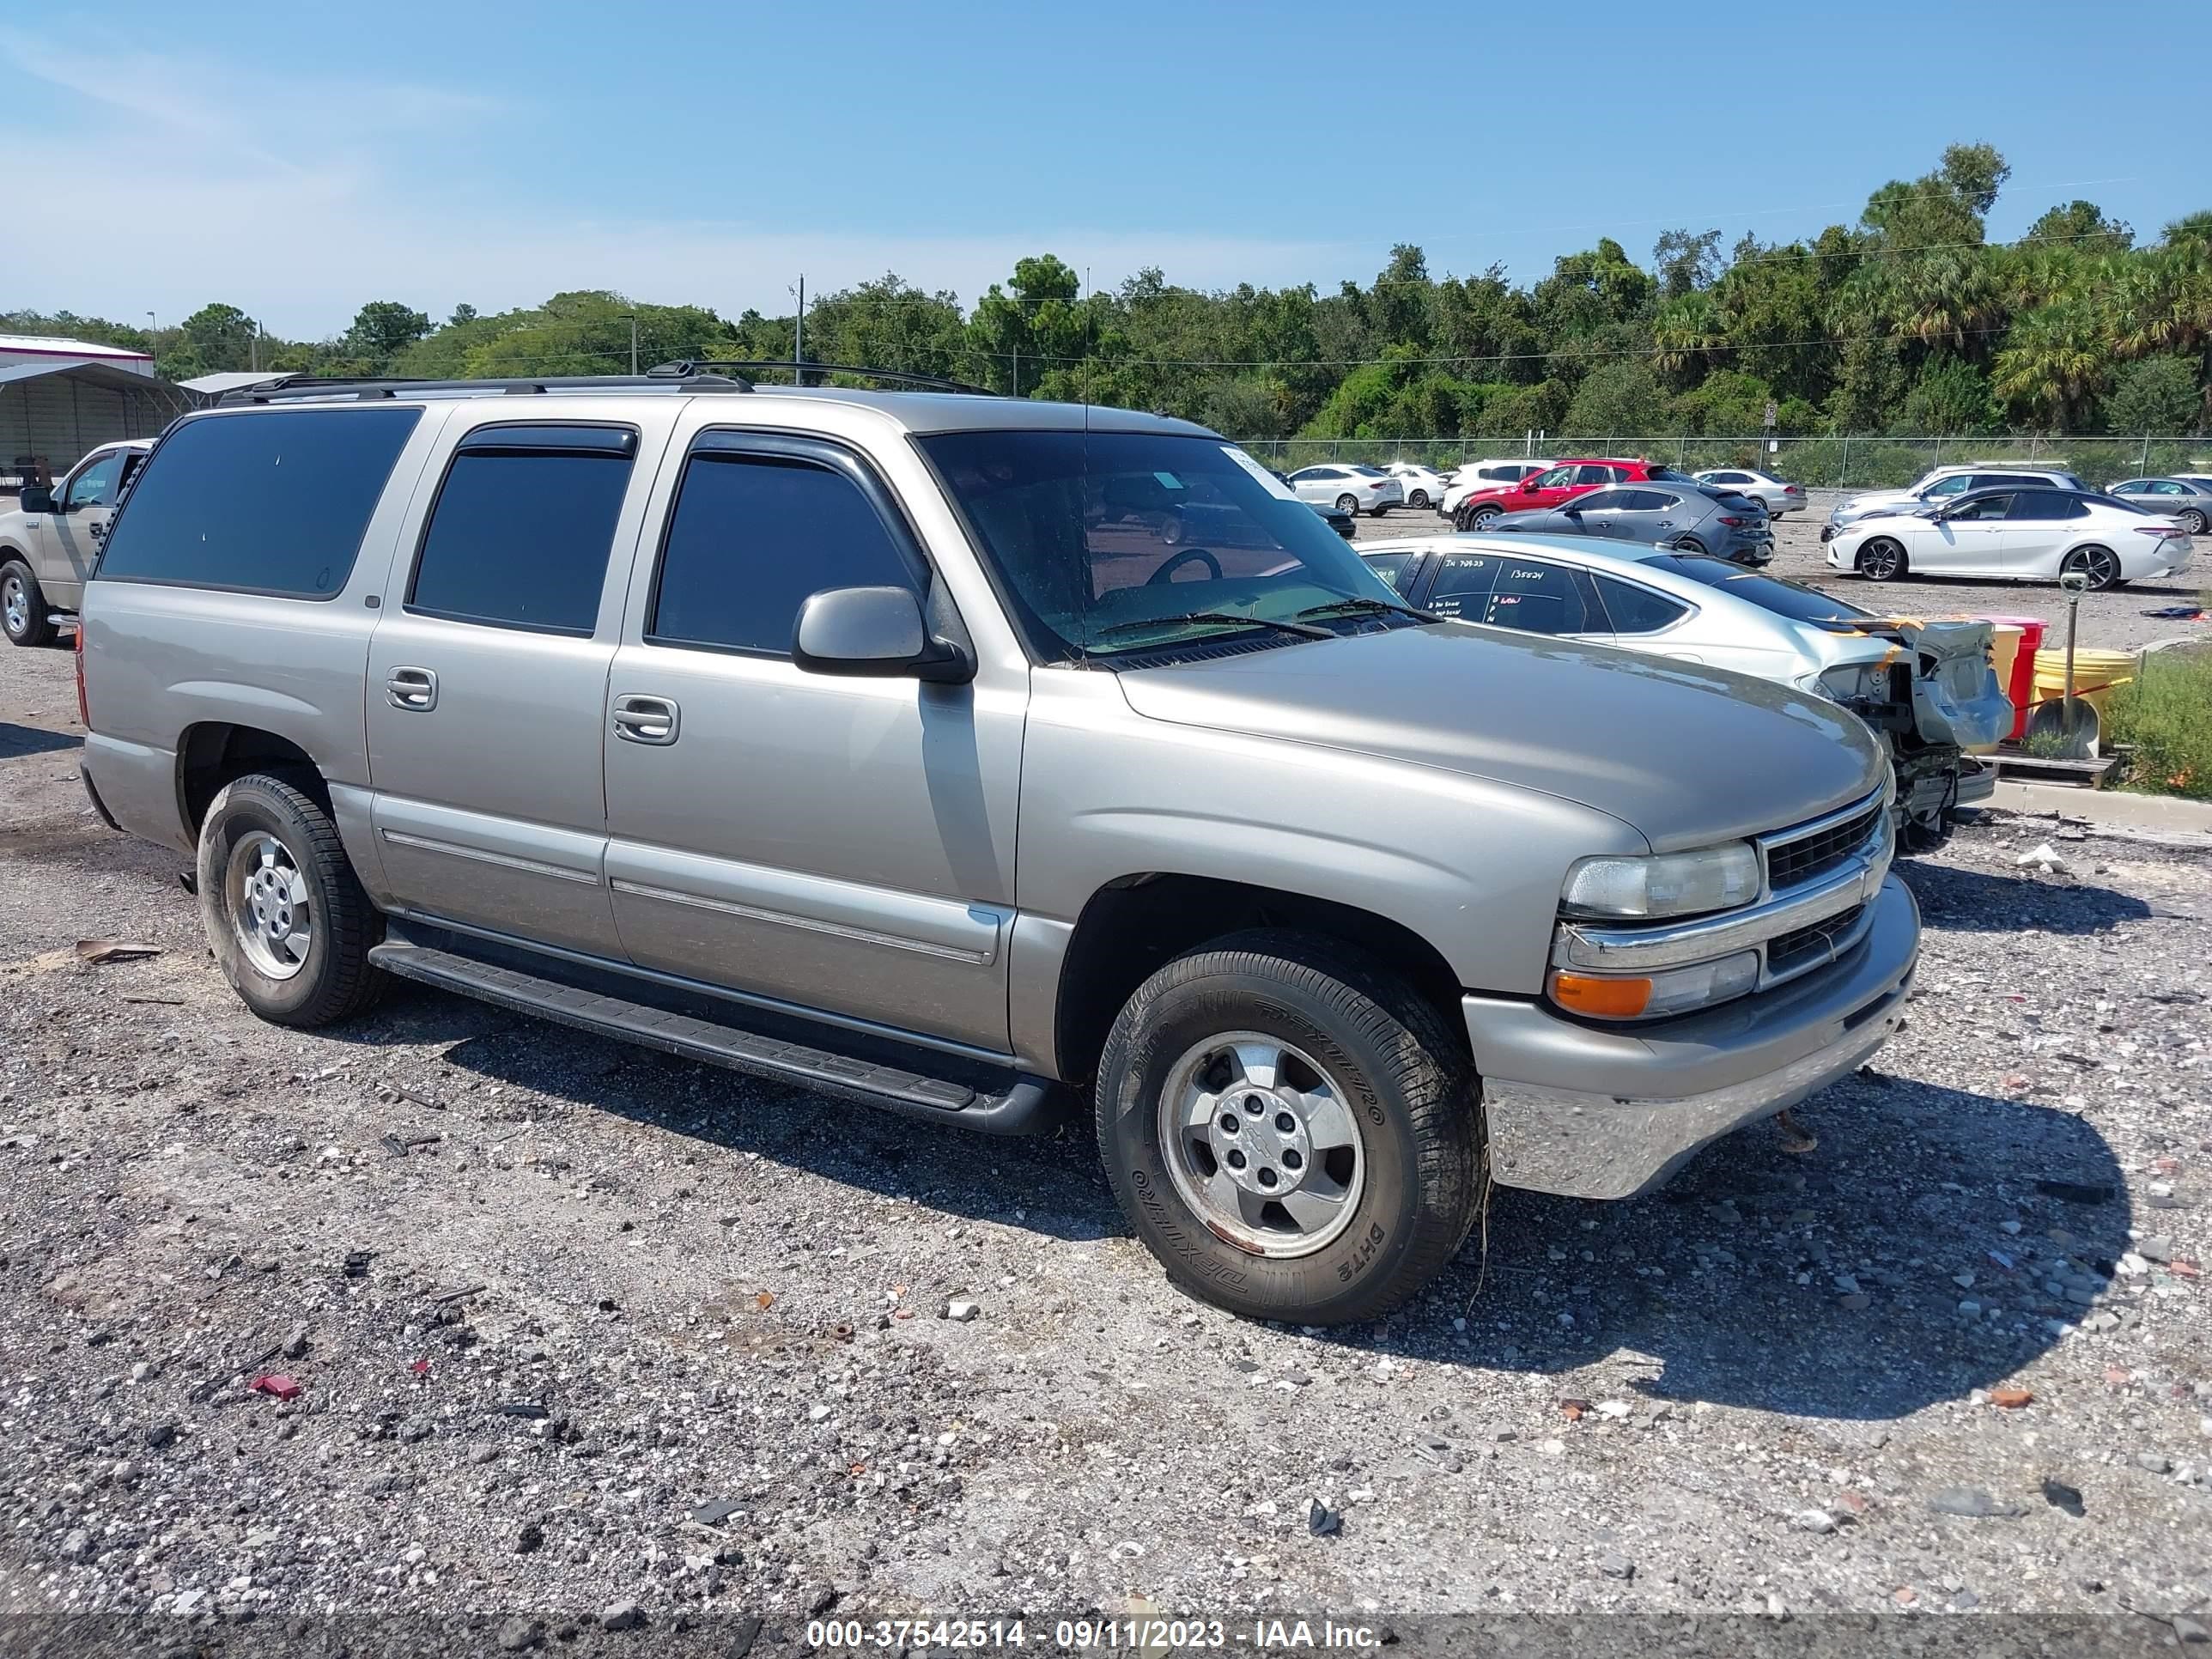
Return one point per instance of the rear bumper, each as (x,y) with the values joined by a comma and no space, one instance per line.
(1611,1114)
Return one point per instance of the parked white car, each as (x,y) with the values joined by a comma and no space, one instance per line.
(1694,608)
(1349,487)
(2033,534)
(1771,492)
(1944,483)
(1470,476)
(1424,485)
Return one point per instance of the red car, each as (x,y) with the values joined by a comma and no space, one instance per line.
(1562,482)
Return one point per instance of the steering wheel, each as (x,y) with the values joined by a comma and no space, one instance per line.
(1189,556)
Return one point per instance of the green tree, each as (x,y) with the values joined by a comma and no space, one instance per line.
(1685,261)
(1618,400)
(2081,224)
(221,336)
(382,329)
(2157,397)
(1949,399)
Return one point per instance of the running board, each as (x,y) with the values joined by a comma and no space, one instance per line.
(1028,1105)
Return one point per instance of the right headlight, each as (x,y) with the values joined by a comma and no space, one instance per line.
(1688,883)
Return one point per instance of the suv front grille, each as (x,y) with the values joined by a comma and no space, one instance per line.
(1788,952)
(1808,857)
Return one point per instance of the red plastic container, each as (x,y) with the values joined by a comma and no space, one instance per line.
(2021,692)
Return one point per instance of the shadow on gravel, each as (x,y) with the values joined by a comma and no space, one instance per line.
(1977,900)
(1740,1283)
(17,740)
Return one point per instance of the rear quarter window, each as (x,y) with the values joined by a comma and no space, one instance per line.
(264,503)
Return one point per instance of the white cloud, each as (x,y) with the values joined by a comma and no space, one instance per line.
(171,181)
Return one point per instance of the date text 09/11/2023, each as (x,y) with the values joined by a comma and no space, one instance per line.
(1089,1635)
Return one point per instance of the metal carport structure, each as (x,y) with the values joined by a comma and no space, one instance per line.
(54,412)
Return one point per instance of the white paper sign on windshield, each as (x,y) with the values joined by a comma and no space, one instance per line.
(1273,486)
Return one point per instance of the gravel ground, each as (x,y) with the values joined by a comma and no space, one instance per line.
(580,1333)
(2110,622)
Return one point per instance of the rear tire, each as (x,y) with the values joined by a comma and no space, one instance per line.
(24,615)
(1419,498)
(2100,564)
(285,915)
(1688,545)
(1348,504)
(1882,560)
(1382,1153)
(2192,520)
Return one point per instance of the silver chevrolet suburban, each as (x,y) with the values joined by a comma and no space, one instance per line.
(962,755)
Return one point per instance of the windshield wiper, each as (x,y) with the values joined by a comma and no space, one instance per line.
(1366,607)
(1303,631)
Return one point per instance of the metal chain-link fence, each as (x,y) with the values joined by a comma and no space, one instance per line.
(1862,463)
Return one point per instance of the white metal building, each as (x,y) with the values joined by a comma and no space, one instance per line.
(60,397)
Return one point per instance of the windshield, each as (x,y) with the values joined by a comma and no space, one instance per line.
(1784,599)
(1092,535)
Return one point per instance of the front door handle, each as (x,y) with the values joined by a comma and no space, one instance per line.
(412,689)
(646,720)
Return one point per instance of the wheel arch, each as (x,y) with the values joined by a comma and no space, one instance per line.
(1131,925)
(212,753)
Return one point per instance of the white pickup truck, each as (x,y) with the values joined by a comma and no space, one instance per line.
(50,542)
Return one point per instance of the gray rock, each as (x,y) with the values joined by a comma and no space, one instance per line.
(1972,1502)
(2186,1629)
(2156,1462)
(520,1635)
(716,1510)
(962,1311)
(1814,1521)
(2158,1248)
(622,1615)
(76,1545)
(1613,1565)
(295,1344)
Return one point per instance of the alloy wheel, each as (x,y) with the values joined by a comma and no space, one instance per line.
(266,897)
(1262,1143)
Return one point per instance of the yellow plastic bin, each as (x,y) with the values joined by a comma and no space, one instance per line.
(2097,675)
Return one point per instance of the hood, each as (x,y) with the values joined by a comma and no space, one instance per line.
(1683,753)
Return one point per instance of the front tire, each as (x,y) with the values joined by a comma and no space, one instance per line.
(1348,1096)
(24,615)
(285,915)
(1882,560)
(1475,518)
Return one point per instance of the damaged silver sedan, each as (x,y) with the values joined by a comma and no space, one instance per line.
(1926,688)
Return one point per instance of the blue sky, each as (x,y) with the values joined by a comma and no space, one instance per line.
(299,160)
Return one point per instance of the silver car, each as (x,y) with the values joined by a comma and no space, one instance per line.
(1349,488)
(1776,497)
(2185,498)
(49,542)
(881,744)
(1690,607)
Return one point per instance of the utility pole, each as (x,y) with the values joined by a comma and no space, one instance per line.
(799,335)
(633,343)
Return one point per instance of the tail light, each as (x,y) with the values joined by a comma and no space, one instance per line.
(1734,524)
(2161,531)
(83,713)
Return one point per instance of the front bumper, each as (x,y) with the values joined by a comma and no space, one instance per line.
(1610,1114)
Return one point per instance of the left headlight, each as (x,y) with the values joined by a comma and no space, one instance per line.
(1663,884)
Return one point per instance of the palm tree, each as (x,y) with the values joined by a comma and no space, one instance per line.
(2054,362)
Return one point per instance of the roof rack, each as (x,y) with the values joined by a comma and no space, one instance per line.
(294,388)
(892,377)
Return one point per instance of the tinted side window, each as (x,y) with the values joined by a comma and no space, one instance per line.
(2040,504)
(519,536)
(1982,507)
(1633,610)
(1391,568)
(2005,481)
(1463,583)
(751,538)
(271,503)
(1537,598)
(95,485)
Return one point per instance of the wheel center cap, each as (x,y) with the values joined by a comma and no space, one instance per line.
(1262,1142)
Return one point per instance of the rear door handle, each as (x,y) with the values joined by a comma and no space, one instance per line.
(646,720)
(414,689)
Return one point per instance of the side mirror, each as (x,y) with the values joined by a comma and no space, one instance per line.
(877,633)
(36,498)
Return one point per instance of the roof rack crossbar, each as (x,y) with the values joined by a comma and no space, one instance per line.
(749,367)
(295,387)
